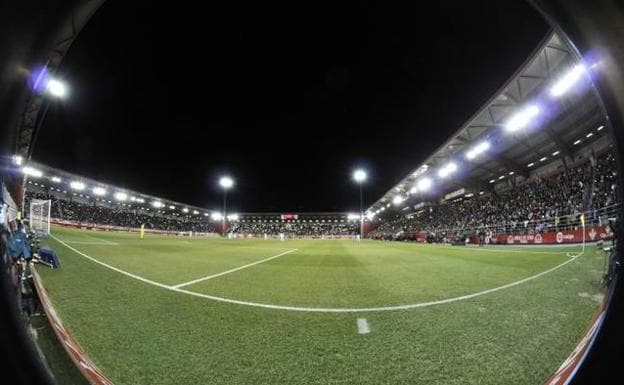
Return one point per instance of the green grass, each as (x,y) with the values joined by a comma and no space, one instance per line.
(139,333)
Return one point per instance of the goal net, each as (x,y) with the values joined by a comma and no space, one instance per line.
(40,216)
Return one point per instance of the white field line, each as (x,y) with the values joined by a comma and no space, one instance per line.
(101,240)
(232,270)
(320,309)
(362,326)
(93,243)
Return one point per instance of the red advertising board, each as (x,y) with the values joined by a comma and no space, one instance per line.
(557,237)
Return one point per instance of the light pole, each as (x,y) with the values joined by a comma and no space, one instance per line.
(359,176)
(226,182)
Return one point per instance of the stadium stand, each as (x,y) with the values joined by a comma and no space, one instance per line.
(539,204)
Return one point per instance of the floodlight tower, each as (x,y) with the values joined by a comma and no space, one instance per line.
(226,182)
(359,176)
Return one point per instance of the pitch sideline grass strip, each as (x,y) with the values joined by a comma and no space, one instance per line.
(232,270)
(319,309)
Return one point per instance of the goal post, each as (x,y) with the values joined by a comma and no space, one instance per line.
(40,216)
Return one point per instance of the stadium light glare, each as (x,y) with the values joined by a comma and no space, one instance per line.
(226,182)
(567,80)
(352,216)
(359,175)
(140,200)
(522,118)
(501,177)
(233,217)
(447,170)
(57,88)
(397,200)
(216,216)
(99,191)
(599,128)
(185,210)
(195,212)
(589,135)
(477,150)
(577,142)
(370,216)
(31,171)
(556,153)
(56,179)
(511,173)
(122,196)
(531,164)
(543,158)
(206,214)
(77,185)
(424,184)
(157,204)
(172,207)
(17,160)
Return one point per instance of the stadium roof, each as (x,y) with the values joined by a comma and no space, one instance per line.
(538,116)
(60,181)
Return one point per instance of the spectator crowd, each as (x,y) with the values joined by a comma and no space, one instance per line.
(536,205)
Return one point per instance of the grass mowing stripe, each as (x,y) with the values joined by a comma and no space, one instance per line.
(319,309)
(233,270)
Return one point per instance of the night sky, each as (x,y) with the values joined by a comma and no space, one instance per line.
(288,99)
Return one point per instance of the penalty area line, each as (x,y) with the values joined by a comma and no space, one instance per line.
(232,270)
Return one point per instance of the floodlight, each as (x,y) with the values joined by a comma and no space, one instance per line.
(501,177)
(56,88)
(31,171)
(567,81)
(543,159)
(232,217)
(589,135)
(226,182)
(157,204)
(370,216)
(424,184)
(599,128)
(185,210)
(76,185)
(195,212)
(531,164)
(447,170)
(17,160)
(577,142)
(216,216)
(56,179)
(556,153)
(172,207)
(522,118)
(352,216)
(478,149)
(121,196)
(359,175)
(205,214)
(397,199)
(99,190)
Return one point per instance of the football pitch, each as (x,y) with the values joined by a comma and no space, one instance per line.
(180,310)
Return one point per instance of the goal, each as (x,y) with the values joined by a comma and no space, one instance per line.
(40,216)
